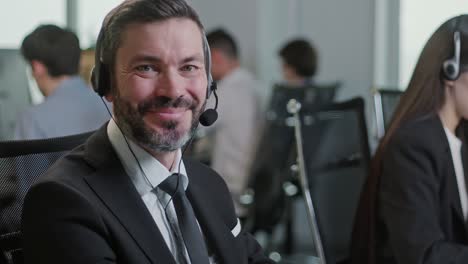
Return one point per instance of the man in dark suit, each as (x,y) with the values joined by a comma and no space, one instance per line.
(126,195)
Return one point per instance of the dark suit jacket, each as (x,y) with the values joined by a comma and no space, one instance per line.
(420,213)
(86,210)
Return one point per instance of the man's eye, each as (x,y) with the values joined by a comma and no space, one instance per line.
(144,68)
(189,68)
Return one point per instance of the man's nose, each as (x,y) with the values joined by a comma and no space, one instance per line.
(171,85)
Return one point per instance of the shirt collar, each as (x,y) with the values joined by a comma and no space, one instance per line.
(452,138)
(154,171)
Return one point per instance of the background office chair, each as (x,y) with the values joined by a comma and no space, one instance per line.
(267,200)
(21,163)
(337,157)
(385,103)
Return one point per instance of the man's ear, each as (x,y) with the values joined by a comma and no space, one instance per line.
(38,68)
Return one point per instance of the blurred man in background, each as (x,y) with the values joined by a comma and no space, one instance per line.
(299,62)
(70,106)
(239,109)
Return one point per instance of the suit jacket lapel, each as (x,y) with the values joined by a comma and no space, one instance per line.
(114,187)
(461,131)
(453,191)
(219,237)
(452,177)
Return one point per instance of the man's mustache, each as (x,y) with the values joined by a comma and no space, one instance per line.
(165,102)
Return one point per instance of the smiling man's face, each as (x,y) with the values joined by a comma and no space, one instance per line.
(160,82)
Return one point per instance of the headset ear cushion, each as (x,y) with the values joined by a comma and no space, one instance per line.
(450,70)
(104,84)
(100,80)
(93,80)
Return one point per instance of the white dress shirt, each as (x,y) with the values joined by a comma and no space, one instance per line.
(156,200)
(455,148)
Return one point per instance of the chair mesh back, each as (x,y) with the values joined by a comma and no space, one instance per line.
(270,170)
(17,175)
(273,158)
(21,163)
(336,154)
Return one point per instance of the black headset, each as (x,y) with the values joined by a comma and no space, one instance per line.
(451,67)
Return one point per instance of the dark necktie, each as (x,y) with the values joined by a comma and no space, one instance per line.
(187,221)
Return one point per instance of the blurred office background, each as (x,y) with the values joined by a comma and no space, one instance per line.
(362,43)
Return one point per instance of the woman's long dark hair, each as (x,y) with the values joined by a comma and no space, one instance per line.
(425,94)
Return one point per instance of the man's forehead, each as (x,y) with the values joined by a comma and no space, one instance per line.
(176,40)
(183,25)
(177,28)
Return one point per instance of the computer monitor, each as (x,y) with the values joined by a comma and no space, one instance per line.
(14,90)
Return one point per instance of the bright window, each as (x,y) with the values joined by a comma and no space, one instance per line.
(19,17)
(90,16)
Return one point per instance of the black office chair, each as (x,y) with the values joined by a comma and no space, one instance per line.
(337,157)
(272,160)
(21,163)
(271,169)
(385,103)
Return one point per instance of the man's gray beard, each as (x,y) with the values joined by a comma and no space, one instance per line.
(132,125)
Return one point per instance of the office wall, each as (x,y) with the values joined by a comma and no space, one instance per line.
(239,17)
(343,32)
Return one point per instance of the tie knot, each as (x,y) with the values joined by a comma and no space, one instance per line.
(172,185)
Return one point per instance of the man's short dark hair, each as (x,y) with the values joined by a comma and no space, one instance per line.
(139,11)
(222,40)
(58,49)
(301,56)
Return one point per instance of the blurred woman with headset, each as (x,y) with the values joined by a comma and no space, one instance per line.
(414,206)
